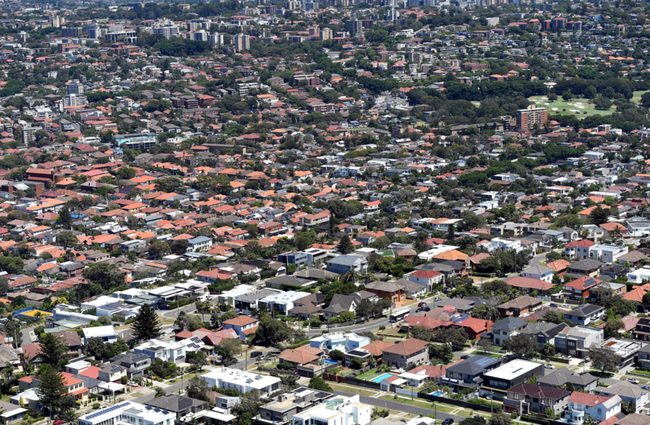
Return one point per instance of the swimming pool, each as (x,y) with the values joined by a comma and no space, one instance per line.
(328,361)
(381,377)
(438,393)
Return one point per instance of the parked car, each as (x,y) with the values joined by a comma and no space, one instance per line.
(448,421)
(437,299)
(549,366)
(421,304)
(58,422)
(554,305)
(256,354)
(632,381)
(645,387)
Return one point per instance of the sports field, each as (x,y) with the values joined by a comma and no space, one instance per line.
(580,107)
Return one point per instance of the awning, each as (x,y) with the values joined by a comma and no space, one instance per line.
(398,382)
(13,412)
(219,416)
(111,386)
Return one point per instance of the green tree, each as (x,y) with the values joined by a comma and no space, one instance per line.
(52,391)
(612,326)
(424,333)
(66,239)
(345,245)
(146,324)
(52,349)
(271,332)
(440,353)
(603,358)
(598,216)
(65,220)
(522,345)
(197,388)
(319,384)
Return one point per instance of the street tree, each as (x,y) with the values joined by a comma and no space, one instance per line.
(52,349)
(146,324)
(522,345)
(603,358)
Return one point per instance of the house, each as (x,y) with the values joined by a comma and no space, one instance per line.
(199,244)
(586,267)
(578,249)
(544,333)
(301,355)
(520,306)
(11,414)
(427,278)
(569,379)
(468,373)
(242,381)
(341,341)
(105,333)
(168,351)
(180,405)
(128,411)
(394,291)
(497,381)
(135,364)
(538,272)
(528,284)
(576,341)
(627,391)
(579,288)
(339,410)
(345,263)
(244,326)
(504,329)
(607,253)
(643,359)
(405,354)
(111,373)
(599,408)
(639,275)
(339,304)
(526,399)
(282,410)
(585,314)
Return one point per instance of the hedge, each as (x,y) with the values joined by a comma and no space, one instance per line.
(180,303)
(298,344)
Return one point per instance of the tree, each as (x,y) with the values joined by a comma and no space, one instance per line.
(455,336)
(499,418)
(158,249)
(4,286)
(612,326)
(182,322)
(51,390)
(12,328)
(522,345)
(229,349)
(197,388)
(590,92)
(598,216)
(197,358)
(345,245)
(52,349)
(553,316)
(179,247)
(475,420)
(337,355)
(64,220)
(547,350)
(424,333)
(146,324)
(319,384)
(487,312)
(96,347)
(440,353)
(602,103)
(604,358)
(66,239)
(271,332)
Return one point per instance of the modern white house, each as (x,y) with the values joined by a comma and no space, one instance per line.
(339,341)
(336,411)
(599,408)
(639,275)
(607,253)
(539,272)
(229,296)
(281,302)
(169,351)
(129,412)
(241,380)
(503,244)
(105,333)
(200,243)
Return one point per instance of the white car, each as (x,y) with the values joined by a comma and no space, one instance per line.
(549,366)
(632,381)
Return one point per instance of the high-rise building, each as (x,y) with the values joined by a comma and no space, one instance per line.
(326,34)
(28,135)
(527,118)
(242,42)
(168,30)
(74,87)
(216,39)
(355,26)
(73,100)
(200,35)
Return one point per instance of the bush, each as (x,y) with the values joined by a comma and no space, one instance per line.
(96,405)
(382,328)
(298,344)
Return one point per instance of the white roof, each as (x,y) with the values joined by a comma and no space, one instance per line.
(413,376)
(219,416)
(103,300)
(13,412)
(238,290)
(513,369)
(81,364)
(111,386)
(242,378)
(99,331)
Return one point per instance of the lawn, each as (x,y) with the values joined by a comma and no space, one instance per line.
(368,374)
(136,394)
(579,106)
(349,389)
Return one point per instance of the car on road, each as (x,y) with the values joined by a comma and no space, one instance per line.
(448,421)
(645,387)
(425,308)
(421,304)
(549,366)
(58,422)
(437,299)
(554,305)
(256,354)
(633,381)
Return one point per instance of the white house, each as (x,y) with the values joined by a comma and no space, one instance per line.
(639,275)
(105,333)
(607,253)
(241,380)
(627,391)
(539,272)
(427,278)
(599,408)
(504,244)
(131,413)
(169,351)
(339,410)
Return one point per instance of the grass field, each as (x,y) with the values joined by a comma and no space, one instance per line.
(579,107)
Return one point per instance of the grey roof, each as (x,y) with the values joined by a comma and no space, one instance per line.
(473,366)
(340,303)
(585,310)
(586,264)
(623,389)
(509,324)
(385,286)
(128,359)
(564,375)
(547,329)
(344,260)
(538,269)
(175,403)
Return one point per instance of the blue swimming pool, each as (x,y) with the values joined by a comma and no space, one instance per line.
(381,377)
(438,393)
(328,361)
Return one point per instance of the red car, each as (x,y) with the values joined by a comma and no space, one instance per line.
(58,422)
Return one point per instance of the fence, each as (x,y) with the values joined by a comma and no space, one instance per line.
(362,383)
(459,403)
(278,371)
(334,378)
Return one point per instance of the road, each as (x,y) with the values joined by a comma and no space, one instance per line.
(402,407)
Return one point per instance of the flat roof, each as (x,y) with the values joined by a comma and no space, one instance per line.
(513,369)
